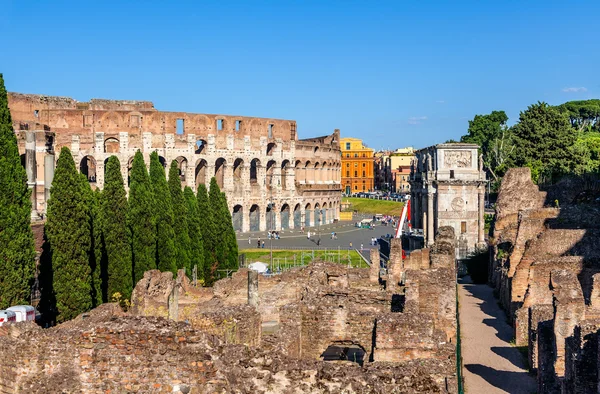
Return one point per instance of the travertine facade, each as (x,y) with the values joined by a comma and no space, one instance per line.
(272,179)
(448,189)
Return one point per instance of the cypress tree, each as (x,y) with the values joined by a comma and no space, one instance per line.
(209,234)
(92,210)
(195,221)
(17,253)
(69,235)
(140,219)
(220,228)
(231,246)
(163,213)
(115,234)
(180,225)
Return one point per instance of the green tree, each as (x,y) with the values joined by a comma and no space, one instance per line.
(69,235)
(92,209)
(545,141)
(220,246)
(195,221)
(230,251)
(494,138)
(583,114)
(116,236)
(209,235)
(140,219)
(17,253)
(163,213)
(180,225)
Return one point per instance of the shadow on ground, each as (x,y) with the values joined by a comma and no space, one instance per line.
(504,380)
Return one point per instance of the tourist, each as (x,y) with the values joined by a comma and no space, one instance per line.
(258,243)
(308,235)
(263,244)
(350,245)
(361,247)
(249,241)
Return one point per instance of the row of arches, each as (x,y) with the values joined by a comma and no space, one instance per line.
(271,217)
(241,173)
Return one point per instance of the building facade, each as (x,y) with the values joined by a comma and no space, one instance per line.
(400,161)
(448,189)
(357,166)
(272,179)
(382,173)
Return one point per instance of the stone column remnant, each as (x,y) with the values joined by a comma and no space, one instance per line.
(480,237)
(174,302)
(430,225)
(31,169)
(253,288)
(374,272)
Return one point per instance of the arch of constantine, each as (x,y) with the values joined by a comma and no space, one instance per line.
(273,180)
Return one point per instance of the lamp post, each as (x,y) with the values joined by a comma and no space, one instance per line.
(270,206)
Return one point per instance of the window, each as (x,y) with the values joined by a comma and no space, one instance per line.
(347,154)
(451,174)
(363,174)
(347,146)
(355,165)
(355,187)
(238,125)
(364,155)
(179,126)
(463,227)
(356,155)
(134,121)
(355,174)
(364,165)
(36,113)
(347,164)
(87,120)
(347,174)
(219,124)
(270,131)
(364,188)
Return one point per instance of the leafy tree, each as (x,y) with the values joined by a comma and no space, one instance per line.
(116,238)
(209,235)
(583,114)
(69,235)
(230,248)
(494,137)
(140,219)
(220,243)
(545,141)
(163,213)
(92,210)
(195,221)
(180,225)
(17,253)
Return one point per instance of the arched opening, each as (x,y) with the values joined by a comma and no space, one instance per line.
(254,218)
(285,217)
(254,165)
(200,146)
(220,165)
(270,168)
(24,160)
(317,173)
(237,217)
(307,169)
(285,166)
(297,216)
(182,164)
(269,216)
(299,172)
(316,150)
(163,162)
(325,172)
(111,145)
(324,213)
(200,172)
(88,168)
(238,185)
(318,215)
(307,215)
(344,351)
(270,148)
(129,166)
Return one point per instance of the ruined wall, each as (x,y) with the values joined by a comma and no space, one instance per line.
(256,161)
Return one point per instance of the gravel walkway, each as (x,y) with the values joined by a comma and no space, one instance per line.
(490,363)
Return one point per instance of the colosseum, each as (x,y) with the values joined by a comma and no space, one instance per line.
(272,179)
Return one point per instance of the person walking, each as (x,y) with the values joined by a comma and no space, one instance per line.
(308,235)
(361,247)
(249,240)
(258,243)
(350,245)
(263,244)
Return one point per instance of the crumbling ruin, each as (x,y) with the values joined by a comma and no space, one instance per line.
(544,267)
(256,334)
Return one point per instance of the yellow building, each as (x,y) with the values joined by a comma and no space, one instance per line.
(357,166)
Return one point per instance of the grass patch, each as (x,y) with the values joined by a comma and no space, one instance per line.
(285,258)
(366,205)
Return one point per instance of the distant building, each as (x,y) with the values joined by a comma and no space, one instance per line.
(357,166)
(448,189)
(382,171)
(400,161)
(401,179)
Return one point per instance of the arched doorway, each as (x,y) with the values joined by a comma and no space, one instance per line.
(285,166)
(220,165)
(238,184)
(111,145)
(129,166)
(307,215)
(307,169)
(200,147)
(317,212)
(88,168)
(200,172)
(285,217)
(270,148)
(163,162)
(254,218)
(270,180)
(344,351)
(269,217)
(182,164)
(298,172)
(297,216)
(324,213)
(238,217)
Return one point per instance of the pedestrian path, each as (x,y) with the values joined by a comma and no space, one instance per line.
(490,363)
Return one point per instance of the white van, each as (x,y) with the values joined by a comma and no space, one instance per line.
(23,312)
(7,316)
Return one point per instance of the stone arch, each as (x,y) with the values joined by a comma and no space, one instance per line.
(200,172)
(220,165)
(285,216)
(270,148)
(317,172)
(285,167)
(307,215)
(325,216)
(238,182)
(269,216)
(129,166)
(297,216)
(254,167)
(317,213)
(315,150)
(200,146)
(237,216)
(111,145)
(87,167)
(182,165)
(254,218)
(270,170)
(308,169)
(162,161)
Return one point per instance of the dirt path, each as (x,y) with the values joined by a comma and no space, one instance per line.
(491,363)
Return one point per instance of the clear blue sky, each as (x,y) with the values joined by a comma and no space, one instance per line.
(394,73)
